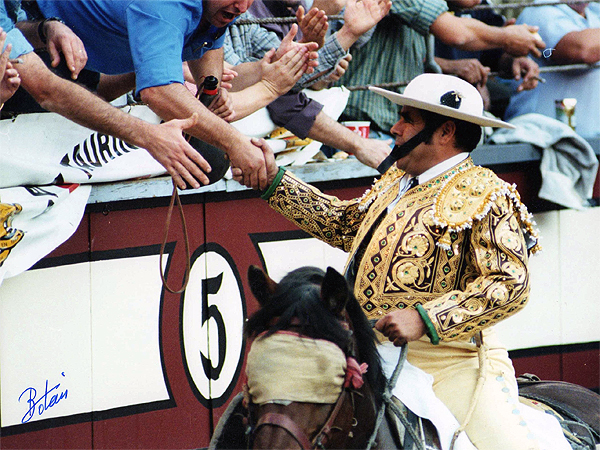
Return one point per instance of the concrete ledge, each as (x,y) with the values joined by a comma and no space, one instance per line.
(485,155)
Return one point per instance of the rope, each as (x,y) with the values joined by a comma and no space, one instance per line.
(388,403)
(175,196)
(482,355)
(546,69)
(292,19)
(533,5)
(282,20)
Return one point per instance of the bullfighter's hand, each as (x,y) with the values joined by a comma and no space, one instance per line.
(402,326)
(270,163)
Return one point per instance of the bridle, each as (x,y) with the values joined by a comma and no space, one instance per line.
(335,421)
(322,437)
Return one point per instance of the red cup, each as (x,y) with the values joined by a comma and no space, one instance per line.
(359,127)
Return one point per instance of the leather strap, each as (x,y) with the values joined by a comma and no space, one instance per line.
(283,421)
(400,151)
(324,434)
(186,277)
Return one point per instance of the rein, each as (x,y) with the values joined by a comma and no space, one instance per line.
(388,403)
(320,439)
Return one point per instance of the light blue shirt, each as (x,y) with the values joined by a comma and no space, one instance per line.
(555,22)
(10,13)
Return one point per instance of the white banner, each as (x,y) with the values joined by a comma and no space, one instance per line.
(45,148)
(36,220)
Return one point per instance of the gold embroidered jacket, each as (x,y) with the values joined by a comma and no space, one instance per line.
(454,245)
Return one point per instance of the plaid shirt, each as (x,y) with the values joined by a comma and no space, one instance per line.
(246,43)
(395,52)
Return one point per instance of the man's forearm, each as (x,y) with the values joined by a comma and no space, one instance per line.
(249,73)
(332,133)
(466,33)
(251,99)
(211,63)
(29,29)
(578,47)
(78,104)
(174,101)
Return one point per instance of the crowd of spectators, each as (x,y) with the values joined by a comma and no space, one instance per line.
(74,57)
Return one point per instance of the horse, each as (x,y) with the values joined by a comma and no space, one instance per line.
(312,315)
(315,311)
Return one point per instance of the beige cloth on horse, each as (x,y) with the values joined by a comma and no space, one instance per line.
(289,367)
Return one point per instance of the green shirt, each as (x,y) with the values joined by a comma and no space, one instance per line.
(395,52)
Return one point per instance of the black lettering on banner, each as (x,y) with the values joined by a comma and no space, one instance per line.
(39,192)
(97,150)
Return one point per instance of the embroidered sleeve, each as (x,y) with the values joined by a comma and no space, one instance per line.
(325,217)
(497,285)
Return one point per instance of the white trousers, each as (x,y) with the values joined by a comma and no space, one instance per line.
(439,383)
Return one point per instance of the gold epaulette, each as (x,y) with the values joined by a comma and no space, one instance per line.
(468,197)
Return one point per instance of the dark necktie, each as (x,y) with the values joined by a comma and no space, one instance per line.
(411,184)
(357,258)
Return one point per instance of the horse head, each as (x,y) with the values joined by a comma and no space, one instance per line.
(311,345)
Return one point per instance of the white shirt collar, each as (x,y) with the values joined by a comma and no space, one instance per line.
(442,167)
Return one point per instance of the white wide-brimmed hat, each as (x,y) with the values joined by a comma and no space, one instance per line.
(446,95)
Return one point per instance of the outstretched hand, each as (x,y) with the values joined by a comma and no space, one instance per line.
(520,40)
(313,25)
(269,159)
(169,147)
(280,76)
(362,15)
(373,152)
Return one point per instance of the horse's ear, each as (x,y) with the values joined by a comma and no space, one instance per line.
(260,284)
(334,291)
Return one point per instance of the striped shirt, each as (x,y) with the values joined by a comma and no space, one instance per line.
(246,43)
(395,52)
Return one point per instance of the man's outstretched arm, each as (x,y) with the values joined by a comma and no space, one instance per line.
(164,142)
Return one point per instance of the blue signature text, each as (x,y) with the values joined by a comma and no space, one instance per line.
(42,403)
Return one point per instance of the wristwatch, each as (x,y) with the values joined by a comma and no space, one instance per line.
(40,28)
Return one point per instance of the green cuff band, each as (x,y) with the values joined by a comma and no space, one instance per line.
(431,333)
(267,194)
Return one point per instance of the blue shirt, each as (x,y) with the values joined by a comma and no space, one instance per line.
(555,21)
(10,13)
(148,37)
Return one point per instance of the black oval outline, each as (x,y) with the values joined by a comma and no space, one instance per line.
(212,403)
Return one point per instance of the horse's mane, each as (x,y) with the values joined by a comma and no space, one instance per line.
(298,297)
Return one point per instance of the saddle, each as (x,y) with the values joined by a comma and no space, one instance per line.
(576,408)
